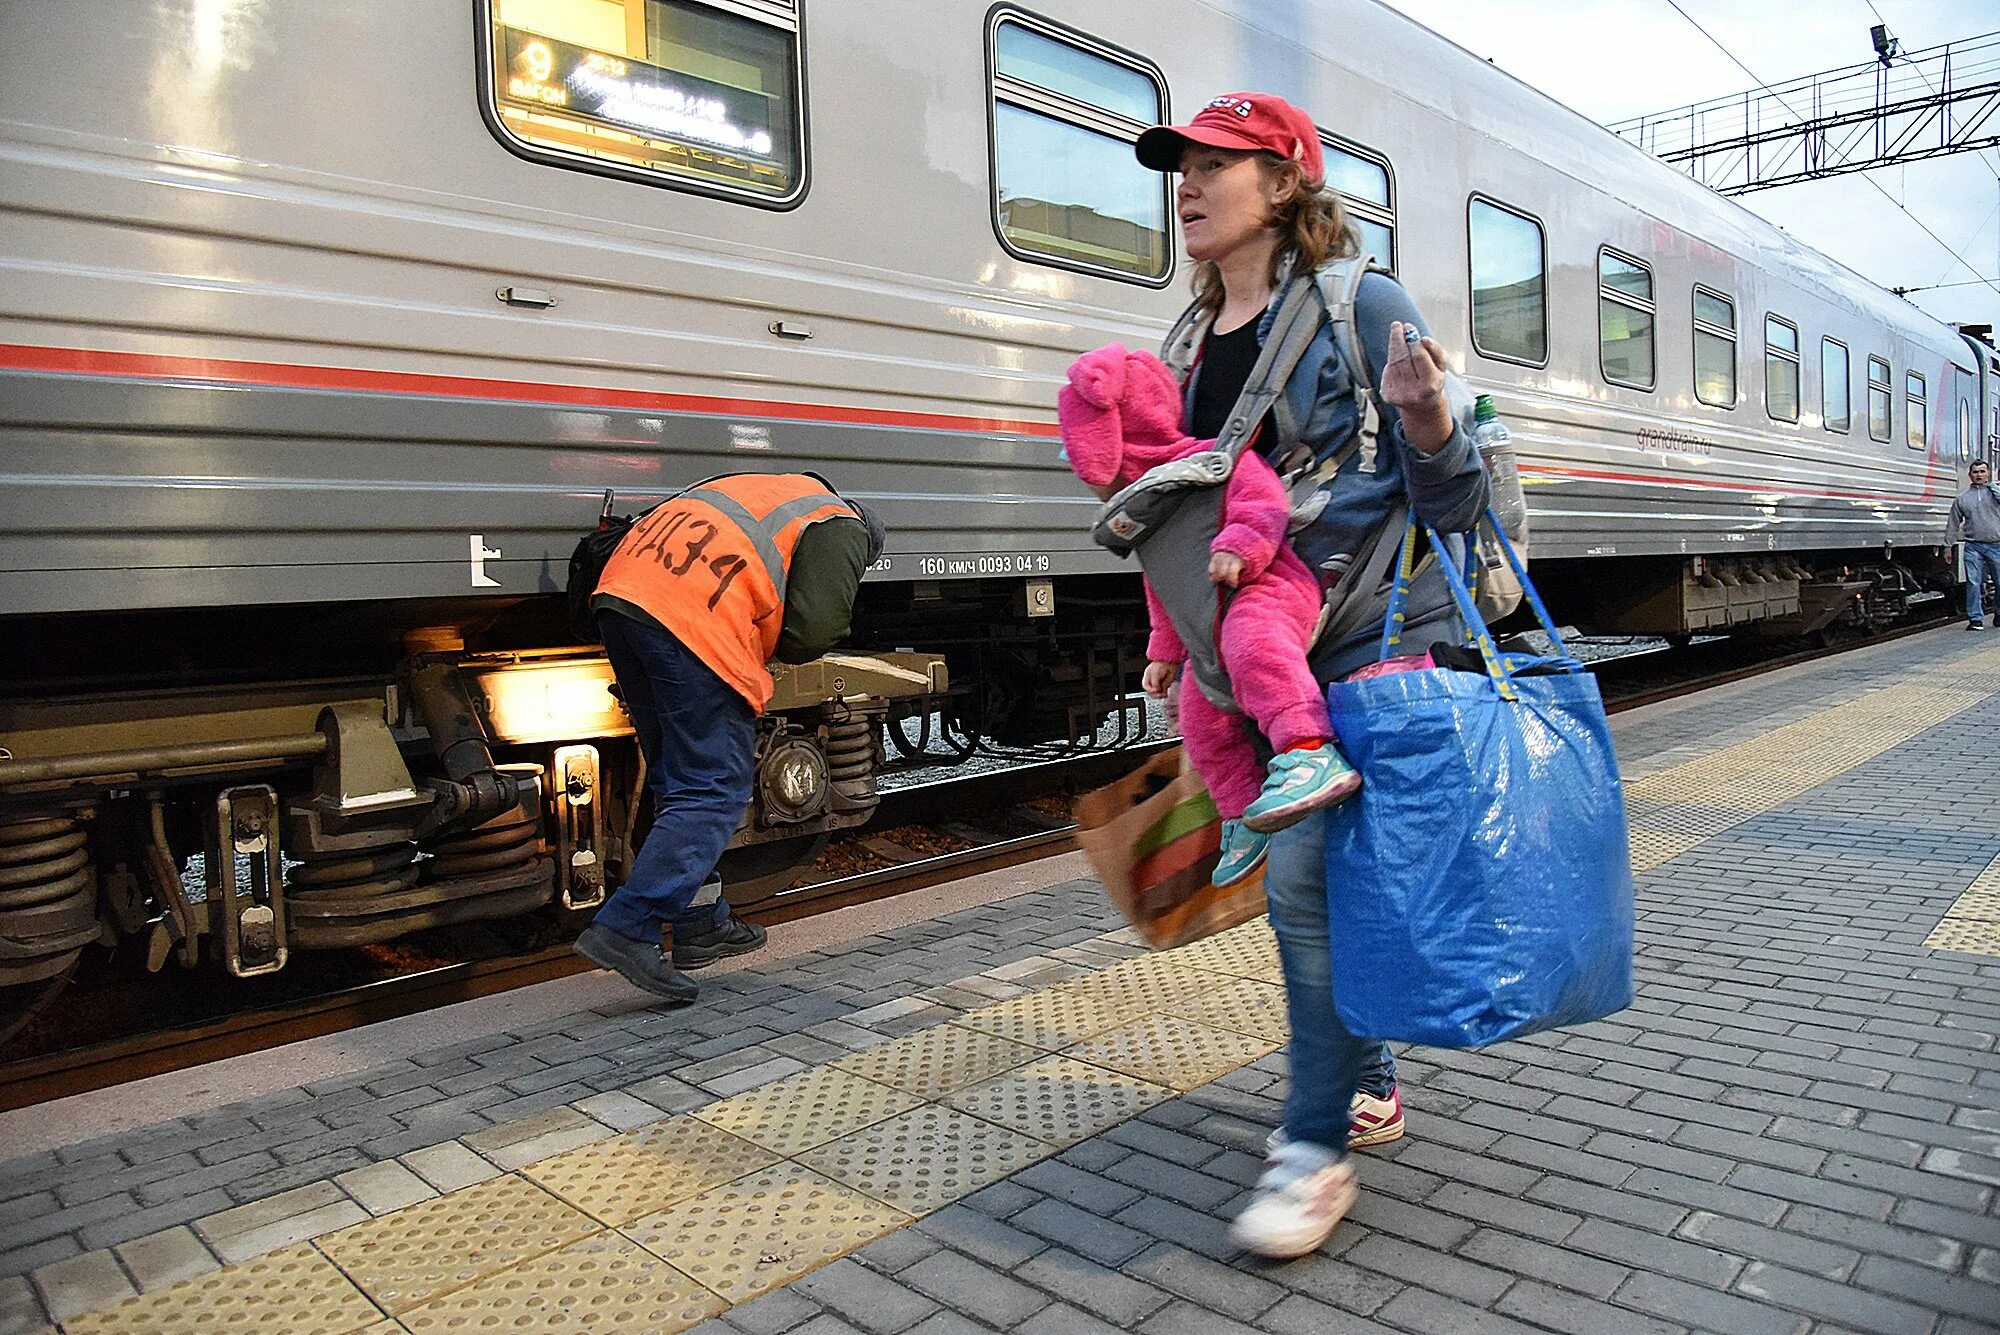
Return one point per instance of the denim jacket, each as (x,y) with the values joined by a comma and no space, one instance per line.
(1448,488)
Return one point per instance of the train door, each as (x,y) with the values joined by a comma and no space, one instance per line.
(1991,399)
(1965,416)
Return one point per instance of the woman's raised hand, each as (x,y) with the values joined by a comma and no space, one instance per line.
(1413,381)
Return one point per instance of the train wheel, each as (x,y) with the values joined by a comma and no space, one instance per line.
(758,871)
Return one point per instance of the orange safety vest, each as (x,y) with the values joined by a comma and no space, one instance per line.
(710,566)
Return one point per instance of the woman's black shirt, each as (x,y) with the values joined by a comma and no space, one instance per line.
(1226,362)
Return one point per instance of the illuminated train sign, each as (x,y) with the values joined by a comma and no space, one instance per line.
(633,96)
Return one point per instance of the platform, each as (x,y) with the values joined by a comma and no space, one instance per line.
(1006,1116)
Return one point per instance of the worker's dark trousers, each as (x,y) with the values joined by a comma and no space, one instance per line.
(699,737)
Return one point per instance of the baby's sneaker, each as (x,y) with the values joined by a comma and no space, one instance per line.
(1243,852)
(1303,1195)
(1301,782)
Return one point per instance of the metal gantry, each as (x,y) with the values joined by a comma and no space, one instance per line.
(1928,103)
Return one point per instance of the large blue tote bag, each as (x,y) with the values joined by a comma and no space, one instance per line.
(1480,883)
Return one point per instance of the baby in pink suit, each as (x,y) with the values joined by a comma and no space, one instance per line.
(1121,415)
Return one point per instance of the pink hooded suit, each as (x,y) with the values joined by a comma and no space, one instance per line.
(1121,415)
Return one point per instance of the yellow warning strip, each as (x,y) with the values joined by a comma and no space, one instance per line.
(1972,923)
(660,1228)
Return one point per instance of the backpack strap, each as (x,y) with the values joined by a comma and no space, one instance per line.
(1339,284)
(1294,323)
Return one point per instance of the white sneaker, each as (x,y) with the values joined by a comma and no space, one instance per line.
(1372,1121)
(1301,1198)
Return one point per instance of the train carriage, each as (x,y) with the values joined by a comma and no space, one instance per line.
(324,329)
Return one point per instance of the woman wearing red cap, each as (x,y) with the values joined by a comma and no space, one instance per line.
(1255,211)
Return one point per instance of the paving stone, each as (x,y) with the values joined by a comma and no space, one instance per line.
(1844,1303)
(619,1111)
(1116,1298)
(1186,1318)
(382,1187)
(1767,1244)
(164,1258)
(974,1289)
(82,1284)
(1706,1309)
(669,1094)
(977,1235)
(1218,1287)
(448,1166)
(1080,1231)
(1564,1267)
(868,1299)
(895,1252)
(20,1309)
(293,1216)
(1574,1314)
(1300,1315)
(140,1223)
(772,1313)
(517,1144)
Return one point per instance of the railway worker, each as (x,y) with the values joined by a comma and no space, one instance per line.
(1975,521)
(700,594)
(1255,209)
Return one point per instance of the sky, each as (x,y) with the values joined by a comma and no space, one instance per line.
(1614,59)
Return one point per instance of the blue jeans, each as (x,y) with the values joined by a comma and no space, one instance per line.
(1328,1064)
(700,740)
(1981,559)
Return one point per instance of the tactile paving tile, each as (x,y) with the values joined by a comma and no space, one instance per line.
(620,1179)
(415,1254)
(1050,1019)
(1167,1051)
(1248,951)
(604,1283)
(765,1230)
(1243,1007)
(1139,986)
(927,1158)
(1058,1099)
(295,1290)
(1971,936)
(938,1060)
(806,1109)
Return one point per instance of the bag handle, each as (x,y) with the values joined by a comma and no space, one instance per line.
(1476,630)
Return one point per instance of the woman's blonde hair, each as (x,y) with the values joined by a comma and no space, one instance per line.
(1310,224)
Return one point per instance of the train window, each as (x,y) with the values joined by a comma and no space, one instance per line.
(1916,407)
(1367,195)
(1781,369)
(671,92)
(1066,188)
(1714,348)
(1625,320)
(1836,397)
(1510,319)
(1878,399)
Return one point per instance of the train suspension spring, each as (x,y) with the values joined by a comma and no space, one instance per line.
(510,841)
(48,895)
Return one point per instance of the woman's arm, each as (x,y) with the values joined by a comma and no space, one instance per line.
(1440,468)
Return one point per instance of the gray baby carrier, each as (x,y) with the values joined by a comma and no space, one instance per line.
(1170,515)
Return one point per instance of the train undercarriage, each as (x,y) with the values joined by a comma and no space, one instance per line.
(170,789)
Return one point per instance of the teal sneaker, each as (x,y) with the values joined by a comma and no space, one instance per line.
(1243,852)
(1301,782)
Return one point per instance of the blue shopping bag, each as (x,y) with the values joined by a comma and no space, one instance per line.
(1480,883)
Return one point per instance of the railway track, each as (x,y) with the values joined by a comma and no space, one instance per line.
(130,1057)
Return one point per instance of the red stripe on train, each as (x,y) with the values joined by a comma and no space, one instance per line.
(147,366)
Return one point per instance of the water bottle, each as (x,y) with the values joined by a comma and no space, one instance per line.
(1495,444)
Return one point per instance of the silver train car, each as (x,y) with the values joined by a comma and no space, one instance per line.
(324,329)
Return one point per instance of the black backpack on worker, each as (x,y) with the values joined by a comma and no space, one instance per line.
(587,562)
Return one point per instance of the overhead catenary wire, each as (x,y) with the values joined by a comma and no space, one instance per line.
(1717,42)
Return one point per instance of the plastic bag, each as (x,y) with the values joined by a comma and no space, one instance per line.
(1480,883)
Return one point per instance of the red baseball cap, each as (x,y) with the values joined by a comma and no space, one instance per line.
(1245,122)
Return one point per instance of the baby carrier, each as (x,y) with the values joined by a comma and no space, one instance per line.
(1170,515)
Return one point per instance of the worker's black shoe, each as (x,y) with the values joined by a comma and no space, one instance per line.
(644,966)
(698,950)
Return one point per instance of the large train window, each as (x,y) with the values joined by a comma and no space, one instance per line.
(1367,195)
(701,97)
(1781,369)
(1836,396)
(1625,319)
(1714,348)
(1916,408)
(1510,317)
(1066,188)
(1878,399)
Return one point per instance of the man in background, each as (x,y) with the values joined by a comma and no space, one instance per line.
(1975,521)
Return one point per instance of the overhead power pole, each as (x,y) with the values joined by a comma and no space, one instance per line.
(1898,108)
